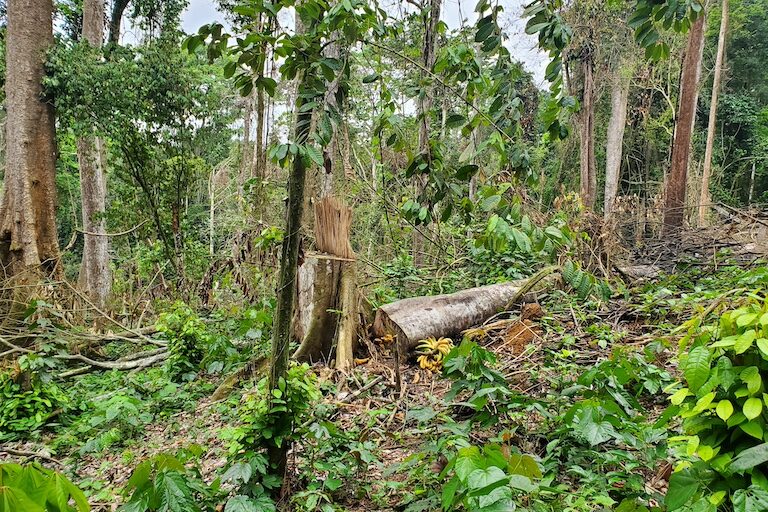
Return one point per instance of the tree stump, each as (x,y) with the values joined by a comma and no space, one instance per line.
(327,301)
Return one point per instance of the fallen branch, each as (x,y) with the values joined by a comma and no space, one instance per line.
(28,454)
(117,365)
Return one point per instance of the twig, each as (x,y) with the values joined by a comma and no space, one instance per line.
(354,396)
(28,454)
(530,283)
(108,317)
(134,228)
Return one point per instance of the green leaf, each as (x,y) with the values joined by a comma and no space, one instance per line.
(752,408)
(13,499)
(750,458)
(520,464)
(455,120)
(682,487)
(483,481)
(752,428)
(175,494)
(465,172)
(314,154)
(597,432)
(762,344)
(744,342)
(369,79)
(745,320)
(697,367)
(449,492)
(679,396)
(751,377)
(752,499)
(724,409)
(242,503)
(239,472)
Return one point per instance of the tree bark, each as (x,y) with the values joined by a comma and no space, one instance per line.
(28,209)
(246,159)
(424,106)
(686,116)
(705,198)
(286,290)
(615,140)
(419,318)
(587,159)
(95,272)
(116,18)
(327,313)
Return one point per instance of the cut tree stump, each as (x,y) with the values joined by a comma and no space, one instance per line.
(419,318)
(327,310)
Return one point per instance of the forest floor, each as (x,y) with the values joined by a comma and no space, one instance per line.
(543,350)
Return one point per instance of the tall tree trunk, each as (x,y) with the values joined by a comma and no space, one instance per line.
(705,198)
(424,107)
(95,274)
(259,155)
(587,159)
(286,290)
(282,325)
(615,140)
(686,116)
(115,19)
(28,208)
(246,159)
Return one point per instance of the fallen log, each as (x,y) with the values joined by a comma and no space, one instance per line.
(418,318)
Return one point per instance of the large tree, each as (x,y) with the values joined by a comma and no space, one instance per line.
(686,116)
(706,174)
(28,212)
(431,17)
(95,274)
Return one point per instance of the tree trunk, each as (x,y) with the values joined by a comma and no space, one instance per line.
(587,160)
(615,140)
(286,290)
(705,198)
(424,106)
(95,272)
(419,318)
(245,148)
(116,18)
(28,207)
(686,116)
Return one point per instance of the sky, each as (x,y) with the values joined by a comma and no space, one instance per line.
(522,46)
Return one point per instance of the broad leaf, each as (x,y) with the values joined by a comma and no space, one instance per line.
(750,458)
(682,487)
(697,367)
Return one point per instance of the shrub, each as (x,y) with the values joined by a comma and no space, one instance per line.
(724,414)
(187,340)
(27,399)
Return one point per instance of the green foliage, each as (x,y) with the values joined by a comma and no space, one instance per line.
(270,418)
(483,389)
(164,484)
(342,456)
(488,478)
(28,398)
(112,421)
(32,488)
(187,338)
(724,410)
(584,283)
